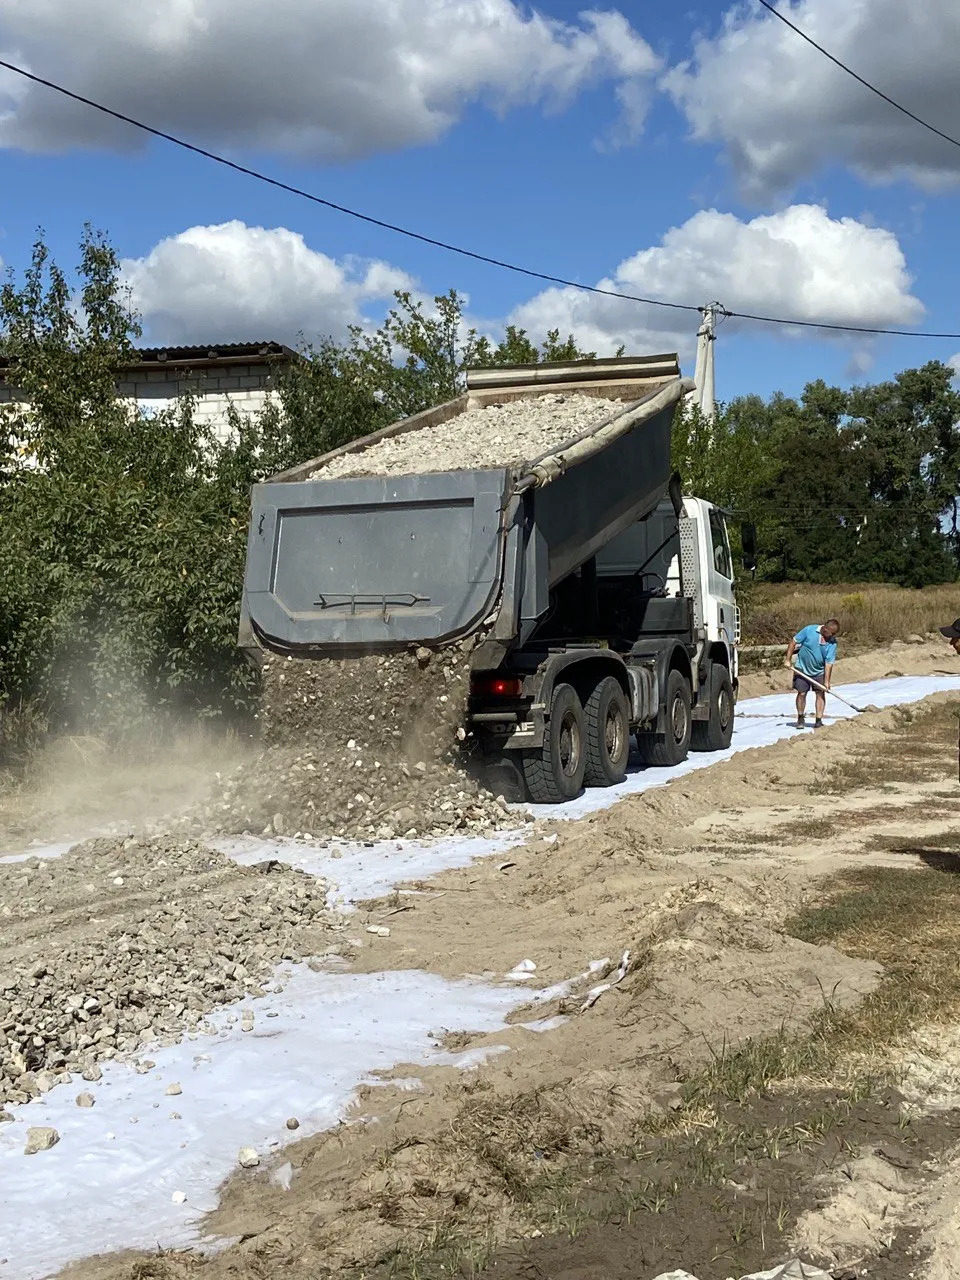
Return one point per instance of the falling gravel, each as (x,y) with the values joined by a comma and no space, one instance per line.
(497,435)
(362,748)
(119,945)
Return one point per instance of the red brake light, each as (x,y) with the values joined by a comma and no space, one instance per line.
(500,687)
(507,688)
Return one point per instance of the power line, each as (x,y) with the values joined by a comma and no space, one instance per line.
(453,248)
(860,80)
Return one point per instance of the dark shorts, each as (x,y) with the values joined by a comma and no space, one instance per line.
(803,686)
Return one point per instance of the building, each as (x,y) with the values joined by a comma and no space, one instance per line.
(239,374)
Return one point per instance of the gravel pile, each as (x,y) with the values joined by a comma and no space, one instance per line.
(361,748)
(121,944)
(497,435)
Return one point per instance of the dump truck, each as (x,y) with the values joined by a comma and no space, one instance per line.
(596,600)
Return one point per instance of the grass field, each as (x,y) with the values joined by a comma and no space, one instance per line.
(870,614)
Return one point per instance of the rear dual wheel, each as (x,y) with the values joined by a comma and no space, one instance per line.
(607,715)
(582,745)
(554,773)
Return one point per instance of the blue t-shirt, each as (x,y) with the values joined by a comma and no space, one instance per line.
(814,652)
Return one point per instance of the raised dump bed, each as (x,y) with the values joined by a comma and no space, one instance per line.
(464,517)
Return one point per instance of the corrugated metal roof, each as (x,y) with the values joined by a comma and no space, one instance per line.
(215,351)
(210,354)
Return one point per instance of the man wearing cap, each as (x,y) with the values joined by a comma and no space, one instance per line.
(815,648)
(953,635)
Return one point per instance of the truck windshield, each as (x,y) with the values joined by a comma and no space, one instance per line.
(721,547)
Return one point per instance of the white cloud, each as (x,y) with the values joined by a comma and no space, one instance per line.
(799,263)
(782,109)
(238,283)
(317,78)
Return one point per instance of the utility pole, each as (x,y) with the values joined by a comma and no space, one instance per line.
(704,397)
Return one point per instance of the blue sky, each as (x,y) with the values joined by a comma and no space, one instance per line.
(857,206)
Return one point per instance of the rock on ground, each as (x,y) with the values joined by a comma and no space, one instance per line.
(91,969)
(497,435)
(40,1139)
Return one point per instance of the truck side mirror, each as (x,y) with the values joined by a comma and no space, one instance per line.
(748,541)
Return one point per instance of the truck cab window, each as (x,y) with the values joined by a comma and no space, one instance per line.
(721,548)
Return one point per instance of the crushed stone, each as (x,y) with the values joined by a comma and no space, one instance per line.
(496,435)
(361,748)
(90,971)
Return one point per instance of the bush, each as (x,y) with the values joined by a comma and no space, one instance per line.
(122,538)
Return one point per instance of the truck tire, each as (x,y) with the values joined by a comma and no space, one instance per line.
(607,715)
(716,733)
(672,747)
(554,773)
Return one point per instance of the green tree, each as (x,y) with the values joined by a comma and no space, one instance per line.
(326,399)
(417,359)
(843,484)
(907,430)
(517,347)
(122,547)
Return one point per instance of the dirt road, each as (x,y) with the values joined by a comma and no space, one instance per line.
(615,1141)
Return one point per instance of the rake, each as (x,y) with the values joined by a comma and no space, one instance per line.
(823,689)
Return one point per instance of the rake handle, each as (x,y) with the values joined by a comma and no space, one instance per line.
(823,688)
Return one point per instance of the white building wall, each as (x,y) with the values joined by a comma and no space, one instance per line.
(244,385)
(211,410)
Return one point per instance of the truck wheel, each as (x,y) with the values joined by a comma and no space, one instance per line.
(607,714)
(554,773)
(672,747)
(716,733)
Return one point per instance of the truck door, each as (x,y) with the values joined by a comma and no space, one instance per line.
(723,624)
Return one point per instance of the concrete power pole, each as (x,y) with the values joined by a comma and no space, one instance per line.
(705,395)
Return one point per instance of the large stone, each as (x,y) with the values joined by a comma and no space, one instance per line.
(40,1139)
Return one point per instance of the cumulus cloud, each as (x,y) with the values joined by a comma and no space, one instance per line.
(781,109)
(337,79)
(234,282)
(800,264)
(237,283)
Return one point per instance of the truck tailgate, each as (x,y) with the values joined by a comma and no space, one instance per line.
(383,561)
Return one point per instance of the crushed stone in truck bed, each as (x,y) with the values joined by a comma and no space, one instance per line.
(497,435)
(361,748)
(123,943)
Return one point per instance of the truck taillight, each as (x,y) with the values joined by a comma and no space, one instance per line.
(499,687)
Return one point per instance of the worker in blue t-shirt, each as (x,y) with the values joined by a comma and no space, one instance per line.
(815,648)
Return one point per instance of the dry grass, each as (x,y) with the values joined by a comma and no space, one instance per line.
(871,614)
(920,746)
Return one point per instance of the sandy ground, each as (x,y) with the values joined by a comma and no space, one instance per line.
(694,881)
